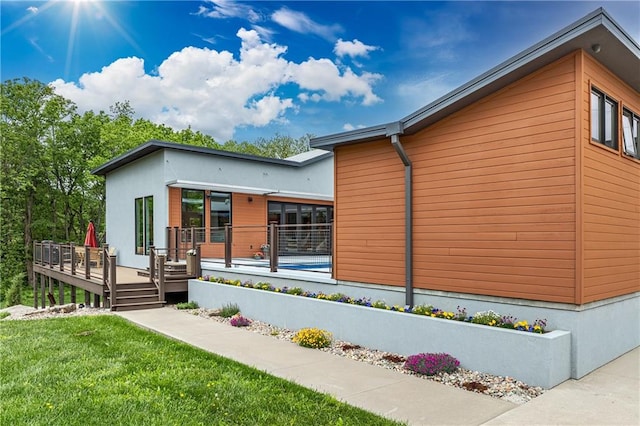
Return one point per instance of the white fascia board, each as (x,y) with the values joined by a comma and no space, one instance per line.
(246,189)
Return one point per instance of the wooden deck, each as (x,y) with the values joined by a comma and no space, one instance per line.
(117,287)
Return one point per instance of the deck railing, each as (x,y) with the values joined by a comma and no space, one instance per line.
(91,262)
(303,247)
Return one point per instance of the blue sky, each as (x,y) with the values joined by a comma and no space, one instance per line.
(243,70)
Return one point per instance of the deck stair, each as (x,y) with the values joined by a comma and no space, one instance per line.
(135,296)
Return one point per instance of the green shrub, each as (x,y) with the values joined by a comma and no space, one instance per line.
(14,292)
(187,305)
(3,315)
(229,310)
(313,338)
(297,291)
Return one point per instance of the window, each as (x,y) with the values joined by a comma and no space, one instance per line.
(193,212)
(220,215)
(144,224)
(630,125)
(604,119)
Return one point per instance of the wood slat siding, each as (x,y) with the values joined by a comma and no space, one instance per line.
(611,200)
(494,197)
(369,215)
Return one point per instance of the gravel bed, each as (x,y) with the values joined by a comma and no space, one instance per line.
(502,387)
(506,388)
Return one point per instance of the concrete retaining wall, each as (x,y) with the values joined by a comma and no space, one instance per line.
(538,360)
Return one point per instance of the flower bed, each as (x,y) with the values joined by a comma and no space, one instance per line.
(488,318)
(537,359)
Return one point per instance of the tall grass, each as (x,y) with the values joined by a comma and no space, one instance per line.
(103,370)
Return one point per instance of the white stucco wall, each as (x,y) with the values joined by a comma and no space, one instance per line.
(142,178)
(315,178)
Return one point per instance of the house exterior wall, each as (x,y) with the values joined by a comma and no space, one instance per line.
(314,178)
(611,198)
(494,197)
(148,175)
(248,217)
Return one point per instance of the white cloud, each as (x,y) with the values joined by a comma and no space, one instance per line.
(301,23)
(323,78)
(224,9)
(32,9)
(348,127)
(353,48)
(215,92)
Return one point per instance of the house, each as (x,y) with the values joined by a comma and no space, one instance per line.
(159,192)
(517,192)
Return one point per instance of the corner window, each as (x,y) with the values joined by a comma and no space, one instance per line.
(630,125)
(144,224)
(604,119)
(220,215)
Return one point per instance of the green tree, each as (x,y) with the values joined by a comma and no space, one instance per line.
(31,114)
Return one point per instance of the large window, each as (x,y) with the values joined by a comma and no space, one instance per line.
(220,215)
(144,224)
(604,119)
(305,230)
(630,125)
(193,212)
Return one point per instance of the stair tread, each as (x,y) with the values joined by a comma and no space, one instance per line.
(140,303)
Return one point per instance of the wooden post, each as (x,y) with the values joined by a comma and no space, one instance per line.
(61,292)
(273,247)
(87,262)
(169,256)
(176,241)
(61,259)
(104,252)
(161,262)
(227,246)
(42,291)
(87,299)
(73,294)
(112,280)
(50,255)
(35,290)
(74,260)
(96,300)
(152,263)
(51,299)
(199,261)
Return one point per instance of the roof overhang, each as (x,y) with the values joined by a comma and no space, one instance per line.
(617,51)
(152,146)
(219,187)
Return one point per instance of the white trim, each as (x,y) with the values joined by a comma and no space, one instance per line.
(177,183)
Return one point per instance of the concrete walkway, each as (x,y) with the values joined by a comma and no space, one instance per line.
(403,397)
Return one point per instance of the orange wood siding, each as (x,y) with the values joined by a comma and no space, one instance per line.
(369,214)
(249,220)
(611,200)
(494,197)
(175,206)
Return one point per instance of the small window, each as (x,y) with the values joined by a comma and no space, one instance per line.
(144,224)
(604,119)
(630,125)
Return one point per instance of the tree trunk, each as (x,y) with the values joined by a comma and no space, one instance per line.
(28,238)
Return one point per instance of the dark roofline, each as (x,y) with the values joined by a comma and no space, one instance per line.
(154,145)
(619,52)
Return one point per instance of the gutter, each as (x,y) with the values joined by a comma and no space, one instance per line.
(394,130)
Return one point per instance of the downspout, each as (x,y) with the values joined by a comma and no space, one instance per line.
(394,130)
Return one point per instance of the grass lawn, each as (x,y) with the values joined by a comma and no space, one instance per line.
(103,370)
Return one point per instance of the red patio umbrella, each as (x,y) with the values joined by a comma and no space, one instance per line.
(90,239)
